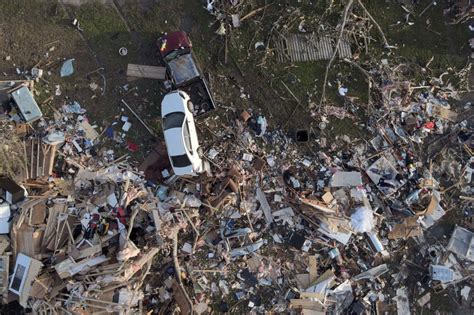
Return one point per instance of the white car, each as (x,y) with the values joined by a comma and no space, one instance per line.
(180,134)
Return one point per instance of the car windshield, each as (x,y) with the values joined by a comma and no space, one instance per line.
(173,120)
(180,160)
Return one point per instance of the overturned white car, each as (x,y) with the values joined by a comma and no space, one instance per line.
(180,134)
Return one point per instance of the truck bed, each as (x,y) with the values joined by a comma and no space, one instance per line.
(200,96)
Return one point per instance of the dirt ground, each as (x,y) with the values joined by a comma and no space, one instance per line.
(41,32)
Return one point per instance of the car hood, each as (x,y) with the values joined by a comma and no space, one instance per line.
(174,141)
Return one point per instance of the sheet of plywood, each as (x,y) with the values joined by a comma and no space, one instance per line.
(303,280)
(143,71)
(408,228)
(38,214)
(307,304)
(29,240)
(444,113)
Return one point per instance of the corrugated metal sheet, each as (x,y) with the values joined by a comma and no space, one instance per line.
(308,47)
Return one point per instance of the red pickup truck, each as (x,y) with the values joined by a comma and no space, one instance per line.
(184,72)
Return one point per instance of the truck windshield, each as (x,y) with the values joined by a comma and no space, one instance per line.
(173,120)
(183,69)
(180,160)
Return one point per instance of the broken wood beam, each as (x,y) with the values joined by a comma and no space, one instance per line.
(143,71)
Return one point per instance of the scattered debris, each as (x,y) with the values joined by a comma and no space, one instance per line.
(265,225)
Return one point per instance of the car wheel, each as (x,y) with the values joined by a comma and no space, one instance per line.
(190,106)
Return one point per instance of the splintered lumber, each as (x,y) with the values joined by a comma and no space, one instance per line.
(143,71)
(40,158)
(68,268)
(316,205)
(51,232)
(138,264)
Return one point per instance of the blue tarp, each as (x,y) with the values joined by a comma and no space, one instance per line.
(67,68)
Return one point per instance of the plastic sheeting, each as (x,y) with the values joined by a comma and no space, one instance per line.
(362,220)
(67,68)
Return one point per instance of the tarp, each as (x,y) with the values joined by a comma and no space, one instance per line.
(67,68)
(362,220)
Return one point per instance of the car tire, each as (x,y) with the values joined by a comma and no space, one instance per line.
(190,106)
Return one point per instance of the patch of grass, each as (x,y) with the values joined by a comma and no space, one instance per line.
(106,33)
(150,22)
(30,10)
(429,36)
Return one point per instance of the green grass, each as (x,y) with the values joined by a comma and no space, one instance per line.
(30,10)
(106,33)
(419,42)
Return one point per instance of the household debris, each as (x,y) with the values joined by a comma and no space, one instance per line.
(350,228)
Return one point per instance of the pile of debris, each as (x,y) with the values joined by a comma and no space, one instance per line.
(352,226)
(80,229)
(328,232)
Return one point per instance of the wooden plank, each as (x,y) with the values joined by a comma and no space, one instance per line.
(313,268)
(143,71)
